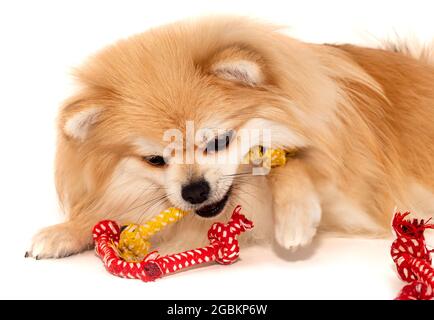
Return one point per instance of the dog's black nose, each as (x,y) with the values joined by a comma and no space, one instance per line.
(196,192)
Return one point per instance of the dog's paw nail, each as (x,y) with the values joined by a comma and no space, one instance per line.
(56,242)
(26,255)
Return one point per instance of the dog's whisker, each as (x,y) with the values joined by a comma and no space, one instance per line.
(136,207)
(140,195)
(152,204)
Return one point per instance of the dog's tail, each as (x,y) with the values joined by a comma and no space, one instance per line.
(412,48)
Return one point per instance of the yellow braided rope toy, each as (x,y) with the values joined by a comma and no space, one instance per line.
(134,242)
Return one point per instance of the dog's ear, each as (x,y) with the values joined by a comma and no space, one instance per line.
(77,119)
(239,65)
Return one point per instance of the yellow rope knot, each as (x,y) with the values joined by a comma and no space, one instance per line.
(134,242)
(270,157)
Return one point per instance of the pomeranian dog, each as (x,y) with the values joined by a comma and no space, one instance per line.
(361,120)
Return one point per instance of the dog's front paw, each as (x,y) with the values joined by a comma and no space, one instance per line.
(57,241)
(296,223)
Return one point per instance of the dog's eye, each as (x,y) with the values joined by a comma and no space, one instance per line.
(156,161)
(219,143)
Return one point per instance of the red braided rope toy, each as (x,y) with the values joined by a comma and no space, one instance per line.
(413,258)
(223,248)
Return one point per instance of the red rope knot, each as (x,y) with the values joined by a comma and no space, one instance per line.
(223,248)
(106,227)
(412,258)
(225,236)
(104,233)
(416,290)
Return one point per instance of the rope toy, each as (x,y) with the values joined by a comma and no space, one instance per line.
(125,250)
(223,248)
(413,258)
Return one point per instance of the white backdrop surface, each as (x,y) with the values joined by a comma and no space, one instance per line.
(40,41)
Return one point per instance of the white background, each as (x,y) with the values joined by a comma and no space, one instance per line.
(40,41)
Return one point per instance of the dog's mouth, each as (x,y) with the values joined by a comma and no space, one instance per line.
(213,209)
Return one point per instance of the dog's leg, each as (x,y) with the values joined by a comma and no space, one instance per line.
(296,205)
(62,239)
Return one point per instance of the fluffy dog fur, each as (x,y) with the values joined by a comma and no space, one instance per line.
(361,118)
